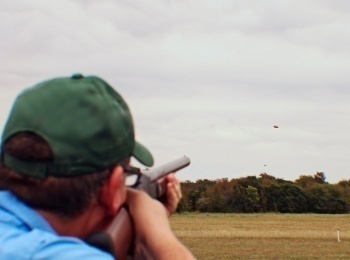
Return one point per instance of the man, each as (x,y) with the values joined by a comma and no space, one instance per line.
(65,152)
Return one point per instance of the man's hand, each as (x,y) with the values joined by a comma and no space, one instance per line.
(173,195)
(153,234)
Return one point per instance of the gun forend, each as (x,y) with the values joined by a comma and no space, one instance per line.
(163,170)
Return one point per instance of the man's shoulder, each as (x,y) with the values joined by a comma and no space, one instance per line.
(24,234)
(39,244)
(60,247)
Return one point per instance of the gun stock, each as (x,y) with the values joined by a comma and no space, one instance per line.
(118,237)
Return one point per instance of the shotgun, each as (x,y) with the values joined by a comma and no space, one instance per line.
(117,238)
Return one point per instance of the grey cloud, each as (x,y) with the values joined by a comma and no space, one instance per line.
(203,78)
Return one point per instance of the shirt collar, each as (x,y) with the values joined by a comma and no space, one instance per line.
(27,215)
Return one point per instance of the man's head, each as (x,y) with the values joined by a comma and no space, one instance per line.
(86,123)
(82,123)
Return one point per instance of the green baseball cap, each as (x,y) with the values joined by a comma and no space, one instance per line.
(87,124)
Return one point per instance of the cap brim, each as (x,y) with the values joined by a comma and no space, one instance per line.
(142,154)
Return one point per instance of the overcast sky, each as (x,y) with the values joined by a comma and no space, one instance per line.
(203,78)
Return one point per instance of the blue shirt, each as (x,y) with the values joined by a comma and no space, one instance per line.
(25,234)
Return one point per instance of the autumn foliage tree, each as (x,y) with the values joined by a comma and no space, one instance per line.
(266,194)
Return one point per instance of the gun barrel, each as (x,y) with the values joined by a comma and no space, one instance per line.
(163,170)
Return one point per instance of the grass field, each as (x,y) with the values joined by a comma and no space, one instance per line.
(264,236)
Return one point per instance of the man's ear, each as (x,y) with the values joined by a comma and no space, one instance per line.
(112,192)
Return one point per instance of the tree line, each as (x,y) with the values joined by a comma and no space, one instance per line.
(307,194)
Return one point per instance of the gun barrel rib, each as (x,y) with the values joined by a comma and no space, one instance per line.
(173,166)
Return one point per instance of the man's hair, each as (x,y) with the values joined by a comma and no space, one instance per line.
(64,196)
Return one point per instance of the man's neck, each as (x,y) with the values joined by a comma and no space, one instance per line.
(80,226)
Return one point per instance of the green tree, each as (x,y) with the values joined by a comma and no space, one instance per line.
(192,191)
(253,198)
(305,181)
(320,177)
(344,187)
(286,198)
(265,180)
(317,198)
